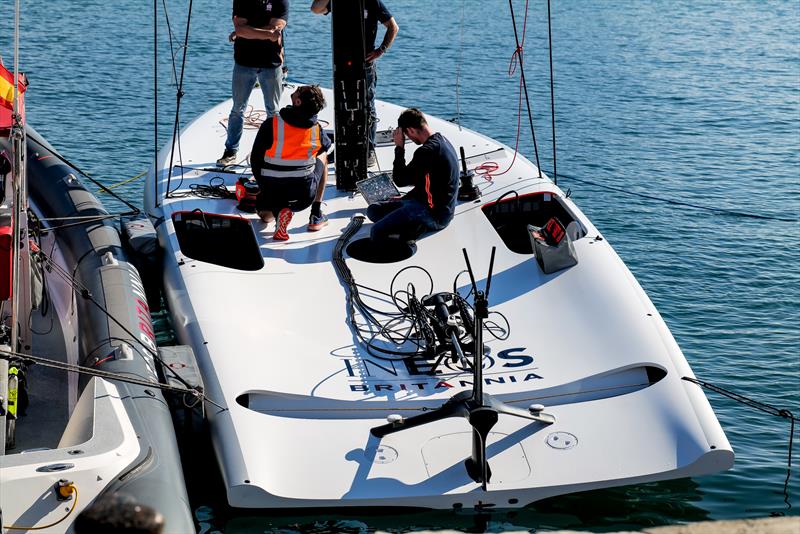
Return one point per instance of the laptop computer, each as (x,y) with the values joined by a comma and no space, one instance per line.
(377,188)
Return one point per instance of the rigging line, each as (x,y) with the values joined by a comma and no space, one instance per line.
(16,59)
(129,180)
(155,102)
(758,405)
(171,42)
(552,91)
(519,54)
(65,161)
(489,169)
(84,292)
(173,53)
(679,202)
(458,66)
(83,220)
(110,375)
(178,96)
(88,218)
(767,408)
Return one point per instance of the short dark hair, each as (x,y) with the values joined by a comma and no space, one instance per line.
(311,99)
(411,118)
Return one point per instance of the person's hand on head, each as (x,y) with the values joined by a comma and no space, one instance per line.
(399,137)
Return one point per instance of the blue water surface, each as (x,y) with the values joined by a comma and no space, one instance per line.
(659,103)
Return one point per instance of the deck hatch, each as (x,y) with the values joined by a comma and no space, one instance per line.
(511,214)
(218,239)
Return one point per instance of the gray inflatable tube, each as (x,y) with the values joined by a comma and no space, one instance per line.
(155,478)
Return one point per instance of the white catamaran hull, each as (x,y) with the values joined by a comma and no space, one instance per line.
(268,322)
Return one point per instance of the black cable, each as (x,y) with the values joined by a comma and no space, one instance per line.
(171,41)
(677,202)
(524,82)
(83,220)
(178,96)
(413,329)
(766,408)
(84,292)
(55,364)
(65,161)
(212,190)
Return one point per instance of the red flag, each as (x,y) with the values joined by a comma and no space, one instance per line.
(7,96)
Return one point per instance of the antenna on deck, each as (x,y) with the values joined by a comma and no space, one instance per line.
(468,190)
(479,408)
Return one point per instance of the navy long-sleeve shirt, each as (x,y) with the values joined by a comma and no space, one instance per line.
(433,171)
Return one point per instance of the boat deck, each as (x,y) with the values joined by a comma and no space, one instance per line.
(275,346)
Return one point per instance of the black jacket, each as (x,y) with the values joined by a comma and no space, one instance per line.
(433,171)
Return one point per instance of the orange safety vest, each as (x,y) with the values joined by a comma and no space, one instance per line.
(293,152)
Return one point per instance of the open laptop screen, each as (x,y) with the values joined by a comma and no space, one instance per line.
(377,188)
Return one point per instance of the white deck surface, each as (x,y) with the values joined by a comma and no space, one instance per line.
(580,340)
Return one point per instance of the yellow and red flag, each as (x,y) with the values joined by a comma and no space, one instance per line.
(7,96)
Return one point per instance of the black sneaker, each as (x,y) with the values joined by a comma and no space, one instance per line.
(228,157)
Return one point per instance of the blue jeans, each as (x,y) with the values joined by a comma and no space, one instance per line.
(372,82)
(243,81)
(405,219)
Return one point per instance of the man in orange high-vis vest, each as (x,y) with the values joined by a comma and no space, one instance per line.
(290,161)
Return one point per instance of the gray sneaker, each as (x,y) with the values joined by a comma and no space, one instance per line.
(228,157)
(372,160)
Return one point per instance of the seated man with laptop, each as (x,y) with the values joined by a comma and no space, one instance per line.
(433,172)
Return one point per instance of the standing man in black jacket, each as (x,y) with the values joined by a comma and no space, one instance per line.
(433,171)
(258,56)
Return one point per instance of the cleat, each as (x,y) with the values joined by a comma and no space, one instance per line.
(284,218)
(317,222)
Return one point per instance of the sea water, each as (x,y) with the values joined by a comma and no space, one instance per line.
(660,105)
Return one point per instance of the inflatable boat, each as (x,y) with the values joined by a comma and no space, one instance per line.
(82,416)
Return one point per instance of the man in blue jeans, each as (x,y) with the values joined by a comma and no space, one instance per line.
(374,12)
(258,56)
(433,171)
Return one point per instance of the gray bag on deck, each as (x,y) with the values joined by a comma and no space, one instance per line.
(552,253)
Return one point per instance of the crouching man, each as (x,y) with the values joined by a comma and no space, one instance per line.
(289,160)
(433,171)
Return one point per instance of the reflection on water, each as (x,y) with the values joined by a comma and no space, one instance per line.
(627,508)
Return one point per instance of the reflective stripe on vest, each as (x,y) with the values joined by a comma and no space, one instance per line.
(293,151)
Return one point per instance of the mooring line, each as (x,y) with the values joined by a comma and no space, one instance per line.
(758,405)
(109,375)
(678,202)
